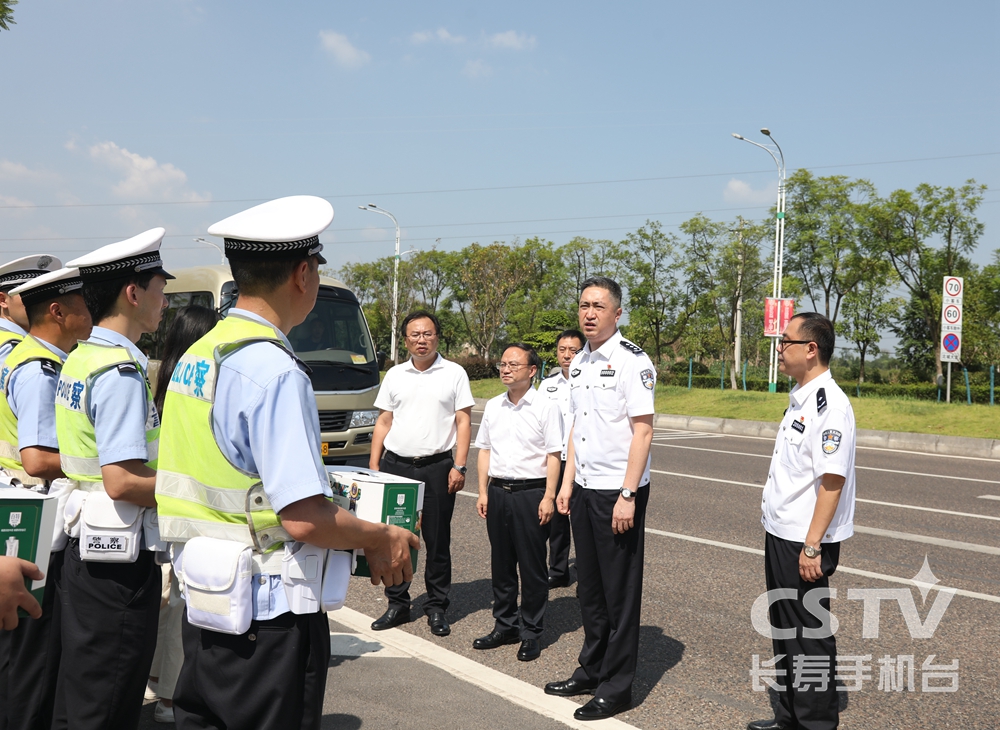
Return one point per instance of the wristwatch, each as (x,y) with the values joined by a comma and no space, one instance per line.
(460,469)
(626,492)
(811,552)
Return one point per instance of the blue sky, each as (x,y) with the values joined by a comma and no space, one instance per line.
(474,122)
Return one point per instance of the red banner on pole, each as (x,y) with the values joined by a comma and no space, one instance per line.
(777,313)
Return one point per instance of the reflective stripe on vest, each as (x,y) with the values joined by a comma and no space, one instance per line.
(199,492)
(28,350)
(77,440)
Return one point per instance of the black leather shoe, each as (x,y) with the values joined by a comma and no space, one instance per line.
(439,624)
(530,650)
(558,582)
(391,618)
(766,725)
(600,709)
(570,688)
(496,638)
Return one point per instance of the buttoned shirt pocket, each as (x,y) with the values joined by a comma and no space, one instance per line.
(606,397)
(795,452)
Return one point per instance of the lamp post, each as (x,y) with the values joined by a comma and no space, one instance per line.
(395,275)
(779,241)
(213,245)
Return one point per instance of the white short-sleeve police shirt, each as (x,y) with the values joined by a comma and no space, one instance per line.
(423,405)
(817,436)
(520,437)
(556,388)
(607,387)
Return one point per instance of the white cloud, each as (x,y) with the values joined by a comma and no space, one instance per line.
(7,201)
(511,40)
(738,191)
(144,177)
(21,173)
(441,34)
(343,51)
(476,69)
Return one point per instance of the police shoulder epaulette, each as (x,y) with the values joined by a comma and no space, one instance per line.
(49,367)
(128,367)
(820,400)
(632,347)
(552,375)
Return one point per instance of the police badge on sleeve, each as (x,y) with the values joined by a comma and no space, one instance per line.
(648,379)
(831,441)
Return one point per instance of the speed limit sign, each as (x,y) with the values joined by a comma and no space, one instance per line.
(951,318)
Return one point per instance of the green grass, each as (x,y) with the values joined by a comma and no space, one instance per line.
(878,414)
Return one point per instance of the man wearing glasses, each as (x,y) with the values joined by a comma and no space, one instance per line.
(425,411)
(808,509)
(556,388)
(519,443)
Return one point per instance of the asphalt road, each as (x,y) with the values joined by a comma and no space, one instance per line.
(704,570)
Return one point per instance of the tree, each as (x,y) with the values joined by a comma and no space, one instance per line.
(431,271)
(868,311)
(7,13)
(371,282)
(546,289)
(824,236)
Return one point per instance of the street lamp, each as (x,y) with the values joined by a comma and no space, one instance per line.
(779,241)
(213,245)
(395,275)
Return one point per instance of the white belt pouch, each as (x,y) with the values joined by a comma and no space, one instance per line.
(61,489)
(314,578)
(110,530)
(151,529)
(217,587)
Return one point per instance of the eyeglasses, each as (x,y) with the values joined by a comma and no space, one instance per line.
(512,366)
(783,343)
(417,336)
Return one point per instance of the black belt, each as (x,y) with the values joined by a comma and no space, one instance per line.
(417,460)
(516,485)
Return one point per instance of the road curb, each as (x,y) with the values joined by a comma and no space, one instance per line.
(922,443)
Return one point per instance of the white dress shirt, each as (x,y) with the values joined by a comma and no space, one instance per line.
(556,388)
(817,437)
(423,406)
(520,437)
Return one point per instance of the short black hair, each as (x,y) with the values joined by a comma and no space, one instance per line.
(571,333)
(607,284)
(814,327)
(101,296)
(260,277)
(420,314)
(533,358)
(190,324)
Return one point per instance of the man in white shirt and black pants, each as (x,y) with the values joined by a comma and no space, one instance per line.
(808,509)
(519,442)
(556,388)
(425,411)
(605,491)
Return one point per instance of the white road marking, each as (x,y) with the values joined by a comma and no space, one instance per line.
(867,468)
(989,496)
(840,569)
(497,683)
(954,544)
(857,499)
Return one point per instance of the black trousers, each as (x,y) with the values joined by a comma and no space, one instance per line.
(559,539)
(109,617)
(609,584)
(271,677)
(435,529)
(34,650)
(809,706)
(517,542)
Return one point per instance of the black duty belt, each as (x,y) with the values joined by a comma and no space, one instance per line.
(417,460)
(516,485)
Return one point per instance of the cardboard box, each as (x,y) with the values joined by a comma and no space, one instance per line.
(27,522)
(376,496)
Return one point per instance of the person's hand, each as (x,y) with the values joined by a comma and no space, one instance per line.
(809,568)
(562,501)
(13,593)
(389,558)
(481,504)
(623,516)
(546,508)
(456,481)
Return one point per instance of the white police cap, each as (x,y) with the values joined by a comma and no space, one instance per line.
(49,286)
(277,229)
(23,269)
(137,255)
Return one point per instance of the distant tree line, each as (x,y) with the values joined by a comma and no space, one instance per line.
(871,264)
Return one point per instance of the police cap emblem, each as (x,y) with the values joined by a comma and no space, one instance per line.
(831,441)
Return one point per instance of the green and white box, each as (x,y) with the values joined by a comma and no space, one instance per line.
(27,522)
(376,496)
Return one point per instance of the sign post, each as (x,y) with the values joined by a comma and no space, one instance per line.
(951,324)
(777,313)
